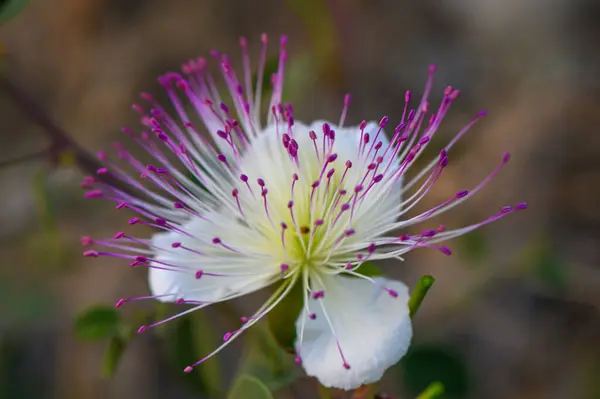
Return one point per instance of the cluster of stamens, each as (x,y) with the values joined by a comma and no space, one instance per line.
(298,201)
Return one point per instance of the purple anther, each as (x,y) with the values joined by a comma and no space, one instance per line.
(318,294)
(462,193)
(445,250)
(521,205)
(222,134)
(91,253)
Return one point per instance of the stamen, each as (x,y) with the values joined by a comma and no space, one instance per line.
(345,109)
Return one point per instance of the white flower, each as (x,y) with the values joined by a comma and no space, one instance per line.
(288,203)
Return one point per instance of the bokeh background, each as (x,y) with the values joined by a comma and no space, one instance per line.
(514,311)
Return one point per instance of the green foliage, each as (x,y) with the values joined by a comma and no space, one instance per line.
(423,365)
(282,319)
(318,20)
(11,8)
(419,293)
(542,259)
(45,205)
(112,356)
(434,390)
(271,65)
(97,323)
(45,247)
(102,322)
(189,338)
(266,360)
(369,269)
(246,386)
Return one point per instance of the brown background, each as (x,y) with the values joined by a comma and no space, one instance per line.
(526,330)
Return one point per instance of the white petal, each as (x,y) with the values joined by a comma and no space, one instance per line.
(372,327)
(247,274)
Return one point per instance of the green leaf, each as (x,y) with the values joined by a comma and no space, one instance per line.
(282,319)
(190,338)
(419,293)
(267,361)
(112,356)
(425,364)
(11,8)
(98,322)
(246,387)
(434,390)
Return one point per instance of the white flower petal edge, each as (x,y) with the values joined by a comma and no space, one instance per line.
(221,277)
(369,328)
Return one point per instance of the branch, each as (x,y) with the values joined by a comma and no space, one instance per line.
(60,140)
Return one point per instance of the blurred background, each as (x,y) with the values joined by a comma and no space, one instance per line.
(514,311)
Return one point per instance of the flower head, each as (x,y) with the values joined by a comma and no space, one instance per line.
(281,203)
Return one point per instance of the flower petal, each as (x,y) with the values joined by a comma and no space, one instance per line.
(372,327)
(237,273)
